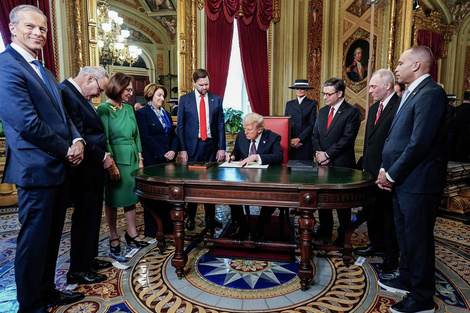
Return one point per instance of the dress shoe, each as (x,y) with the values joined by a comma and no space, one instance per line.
(369,251)
(321,233)
(215,223)
(100,264)
(85,278)
(57,297)
(115,249)
(138,243)
(409,305)
(190,223)
(339,242)
(394,285)
(389,265)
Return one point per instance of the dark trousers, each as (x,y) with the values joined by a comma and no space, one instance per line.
(380,223)
(41,212)
(326,221)
(415,216)
(87,196)
(205,152)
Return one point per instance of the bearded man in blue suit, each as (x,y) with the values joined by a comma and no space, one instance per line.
(414,169)
(201,133)
(41,144)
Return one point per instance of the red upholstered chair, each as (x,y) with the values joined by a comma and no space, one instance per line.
(281,126)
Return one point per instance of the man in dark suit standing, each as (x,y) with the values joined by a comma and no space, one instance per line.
(201,133)
(379,214)
(41,143)
(333,138)
(254,144)
(87,178)
(414,169)
(303,112)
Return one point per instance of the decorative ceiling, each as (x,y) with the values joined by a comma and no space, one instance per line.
(163,12)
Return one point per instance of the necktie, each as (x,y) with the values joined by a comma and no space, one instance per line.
(52,90)
(253,147)
(379,112)
(94,109)
(330,117)
(202,118)
(403,100)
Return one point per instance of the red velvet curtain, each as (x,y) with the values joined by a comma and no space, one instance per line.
(253,46)
(48,50)
(254,55)
(219,47)
(434,41)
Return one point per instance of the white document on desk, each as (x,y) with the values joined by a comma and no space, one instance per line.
(237,164)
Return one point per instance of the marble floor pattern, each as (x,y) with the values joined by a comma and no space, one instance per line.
(219,285)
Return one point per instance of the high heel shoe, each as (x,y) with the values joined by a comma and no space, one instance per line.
(139,244)
(116,249)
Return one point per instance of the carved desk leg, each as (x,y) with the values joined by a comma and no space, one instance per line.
(180,258)
(305,269)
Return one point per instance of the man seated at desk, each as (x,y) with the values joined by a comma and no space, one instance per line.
(254,144)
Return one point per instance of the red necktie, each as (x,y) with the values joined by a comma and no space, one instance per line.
(330,117)
(379,111)
(202,118)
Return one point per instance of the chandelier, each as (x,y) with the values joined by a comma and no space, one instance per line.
(112,40)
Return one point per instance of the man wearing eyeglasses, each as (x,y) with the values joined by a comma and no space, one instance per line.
(87,181)
(333,138)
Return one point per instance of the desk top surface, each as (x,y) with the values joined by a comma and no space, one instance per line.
(323,176)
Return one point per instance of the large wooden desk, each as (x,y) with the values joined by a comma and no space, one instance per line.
(277,186)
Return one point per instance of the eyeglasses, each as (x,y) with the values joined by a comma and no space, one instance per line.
(129,89)
(327,95)
(99,87)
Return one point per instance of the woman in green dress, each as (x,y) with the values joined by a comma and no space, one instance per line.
(124,145)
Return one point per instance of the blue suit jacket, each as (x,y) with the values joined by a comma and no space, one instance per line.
(90,127)
(338,140)
(414,151)
(188,122)
(37,138)
(155,142)
(269,148)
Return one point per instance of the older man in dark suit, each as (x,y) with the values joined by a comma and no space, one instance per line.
(87,178)
(414,169)
(379,214)
(254,144)
(201,133)
(42,143)
(333,137)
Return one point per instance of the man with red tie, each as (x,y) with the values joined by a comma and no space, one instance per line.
(333,138)
(201,133)
(379,214)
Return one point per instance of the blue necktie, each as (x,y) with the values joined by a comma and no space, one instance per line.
(52,90)
(403,99)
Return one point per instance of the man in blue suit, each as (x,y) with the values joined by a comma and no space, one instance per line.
(254,144)
(414,169)
(41,144)
(201,133)
(334,134)
(88,177)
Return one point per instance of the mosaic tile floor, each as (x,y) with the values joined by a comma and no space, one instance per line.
(219,285)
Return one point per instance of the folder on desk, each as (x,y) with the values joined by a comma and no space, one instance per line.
(302,165)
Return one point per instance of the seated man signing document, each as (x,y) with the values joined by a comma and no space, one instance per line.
(263,146)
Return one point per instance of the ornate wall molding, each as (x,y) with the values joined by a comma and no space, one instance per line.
(433,21)
(187,44)
(55,39)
